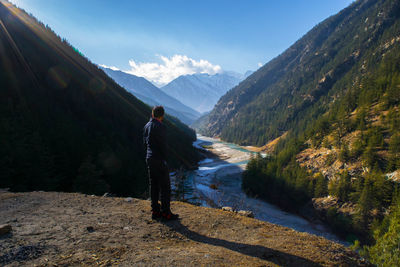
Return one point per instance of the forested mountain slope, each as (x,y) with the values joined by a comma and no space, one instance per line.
(64,124)
(334,99)
(302,83)
(151,95)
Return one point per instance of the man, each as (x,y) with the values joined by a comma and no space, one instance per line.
(154,138)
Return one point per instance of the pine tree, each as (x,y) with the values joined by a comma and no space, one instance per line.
(394,152)
(321,186)
(365,205)
(386,251)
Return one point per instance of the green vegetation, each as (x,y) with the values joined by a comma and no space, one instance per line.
(297,87)
(281,180)
(386,251)
(64,124)
(338,88)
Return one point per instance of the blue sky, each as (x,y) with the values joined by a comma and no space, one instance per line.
(228,35)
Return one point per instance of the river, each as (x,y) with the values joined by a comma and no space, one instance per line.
(217,183)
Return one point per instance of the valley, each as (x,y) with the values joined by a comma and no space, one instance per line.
(330,103)
(217,183)
(308,144)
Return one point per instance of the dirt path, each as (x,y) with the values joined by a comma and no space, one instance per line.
(61,229)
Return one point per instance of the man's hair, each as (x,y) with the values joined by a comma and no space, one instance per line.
(158,111)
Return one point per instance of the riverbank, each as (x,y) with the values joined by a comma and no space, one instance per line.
(69,229)
(217,183)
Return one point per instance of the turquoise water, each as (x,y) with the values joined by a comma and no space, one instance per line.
(217,183)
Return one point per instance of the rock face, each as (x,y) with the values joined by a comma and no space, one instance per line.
(247,213)
(318,208)
(327,160)
(322,205)
(394,176)
(227,209)
(53,229)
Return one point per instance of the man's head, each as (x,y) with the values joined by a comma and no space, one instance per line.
(158,112)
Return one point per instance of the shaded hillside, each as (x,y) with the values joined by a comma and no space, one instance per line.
(50,229)
(65,125)
(302,83)
(151,95)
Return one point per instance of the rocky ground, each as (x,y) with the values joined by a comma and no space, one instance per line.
(68,229)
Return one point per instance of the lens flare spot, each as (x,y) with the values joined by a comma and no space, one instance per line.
(58,77)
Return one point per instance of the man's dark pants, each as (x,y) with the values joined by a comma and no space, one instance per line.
(159,183)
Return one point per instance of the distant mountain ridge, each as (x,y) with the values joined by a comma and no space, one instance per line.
(202,91)
(151,95)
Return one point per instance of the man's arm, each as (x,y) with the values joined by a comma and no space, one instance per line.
(163,141)
(144,136)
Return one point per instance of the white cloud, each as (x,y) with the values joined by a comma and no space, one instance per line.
(259,64)
(108,67)
(171,68)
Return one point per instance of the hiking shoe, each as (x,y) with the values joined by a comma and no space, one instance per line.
(169,216)
(156,215)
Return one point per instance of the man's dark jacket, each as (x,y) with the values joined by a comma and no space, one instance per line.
(154,138)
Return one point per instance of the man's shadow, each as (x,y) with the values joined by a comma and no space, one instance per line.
(264,253)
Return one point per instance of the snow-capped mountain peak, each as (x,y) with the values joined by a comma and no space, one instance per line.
(202,91)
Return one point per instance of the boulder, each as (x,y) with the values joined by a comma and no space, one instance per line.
(246,213)
(227,209)
(5,229)
(128,199)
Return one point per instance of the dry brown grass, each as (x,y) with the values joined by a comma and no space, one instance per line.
(124,234)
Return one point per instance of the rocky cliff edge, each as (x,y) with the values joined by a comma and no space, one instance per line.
(69,229)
